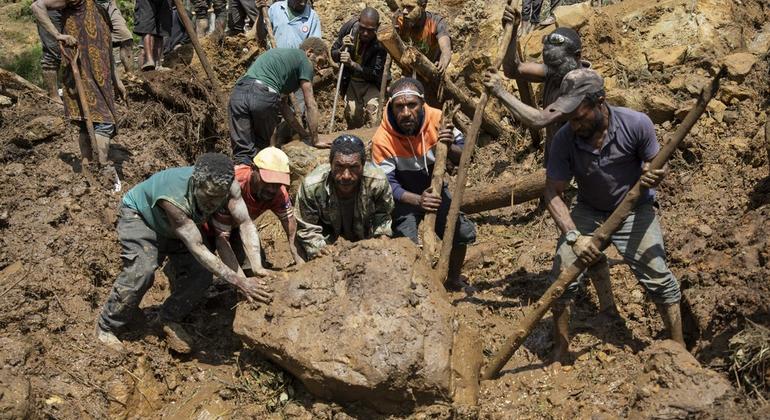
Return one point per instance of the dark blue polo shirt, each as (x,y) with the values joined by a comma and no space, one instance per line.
(605,175)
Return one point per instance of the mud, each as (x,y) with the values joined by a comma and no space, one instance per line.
(58,242)
(366,324)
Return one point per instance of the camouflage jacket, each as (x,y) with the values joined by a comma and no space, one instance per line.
(319,220)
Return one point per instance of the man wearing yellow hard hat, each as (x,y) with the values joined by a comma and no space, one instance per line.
(263,186)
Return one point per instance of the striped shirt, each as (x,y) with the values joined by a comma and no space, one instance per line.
(408,160)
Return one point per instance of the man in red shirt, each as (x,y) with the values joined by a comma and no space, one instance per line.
(263,187)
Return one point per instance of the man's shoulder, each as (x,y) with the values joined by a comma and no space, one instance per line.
(317,176)
(630,116)
(347,26)
(374,172)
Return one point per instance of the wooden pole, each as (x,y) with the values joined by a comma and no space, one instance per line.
(600,238)
(384,87)
(527,96)
(507,192)
(410,57)
(269,26)
(429,239)
(188,26)
(767,142)
(82,100)
(442,269)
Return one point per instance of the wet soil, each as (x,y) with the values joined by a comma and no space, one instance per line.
(59,253)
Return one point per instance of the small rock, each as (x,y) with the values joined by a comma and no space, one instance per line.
(717,110)
(731,117)
(731,90)
(42,128)
(739,64)
(761,42)
(659,59)
(226,394)
(5,101)
(637,296)
(573,16)
(705,231)
(660,108)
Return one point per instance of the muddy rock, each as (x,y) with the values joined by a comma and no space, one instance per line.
(365,324)
(739,65)
(15,394)
(674,385)
(659,59)
(660,108)
(573,16)
(716,109)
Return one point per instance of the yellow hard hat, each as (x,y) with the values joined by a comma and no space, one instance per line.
(273,165)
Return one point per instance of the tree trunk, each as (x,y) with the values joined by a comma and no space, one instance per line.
(504,193)
(411,58)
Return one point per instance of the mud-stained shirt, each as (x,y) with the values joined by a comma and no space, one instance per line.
(424,38)
(319,213)
(172,185)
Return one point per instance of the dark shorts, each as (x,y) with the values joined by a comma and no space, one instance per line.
(407,218)
(201,8)
(152,17)
(254,113)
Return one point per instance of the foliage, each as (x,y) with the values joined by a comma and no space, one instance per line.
(26,64)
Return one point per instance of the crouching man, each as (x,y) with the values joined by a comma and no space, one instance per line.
(349,198)
(159,219)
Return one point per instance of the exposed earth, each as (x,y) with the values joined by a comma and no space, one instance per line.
(59,253)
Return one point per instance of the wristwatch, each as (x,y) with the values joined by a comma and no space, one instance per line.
(572,236)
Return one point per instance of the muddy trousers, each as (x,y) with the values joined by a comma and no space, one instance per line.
(362,103)
(254,111)
(531,9)
(407,218)
(639,240)
(142,252)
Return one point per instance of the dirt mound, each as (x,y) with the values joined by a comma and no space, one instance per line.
(366,324)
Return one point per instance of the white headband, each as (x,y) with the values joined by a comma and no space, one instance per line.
(407,92)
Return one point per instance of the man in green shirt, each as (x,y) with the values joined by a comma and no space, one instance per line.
(260,95)
(159,219)
(349,198)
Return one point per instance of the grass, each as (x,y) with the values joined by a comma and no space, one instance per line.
(26,64)
(750,354)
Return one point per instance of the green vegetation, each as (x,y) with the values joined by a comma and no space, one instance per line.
(26,64)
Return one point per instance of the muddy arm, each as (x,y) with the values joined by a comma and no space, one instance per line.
(525,114)
(556,206)
(249,235)
(289,224)
(40,12)
(187,232)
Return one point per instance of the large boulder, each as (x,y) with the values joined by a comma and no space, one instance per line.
(573,16)
(368,324)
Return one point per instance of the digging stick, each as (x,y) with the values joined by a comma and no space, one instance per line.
(767,142)
(442,269)
(269,26)
(336,97)
(188,26)
(73,59)
(600,238)
(384,86)
(429,240)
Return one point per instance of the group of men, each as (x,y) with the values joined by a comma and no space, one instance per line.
(200,218)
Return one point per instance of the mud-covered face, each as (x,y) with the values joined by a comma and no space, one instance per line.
(209,197)
(347,171)
(586,120)
(318,61)
(559,59)
(261,190)
(298,6)
(407,110)
(413,11)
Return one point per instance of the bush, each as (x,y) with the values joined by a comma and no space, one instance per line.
(26,64)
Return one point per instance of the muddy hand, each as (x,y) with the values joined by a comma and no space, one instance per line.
(68,40)
(345,57)
(256,289)
(347,41)
(429,201)
(586,251)
(443,63)
(446,135)
(492,79)
(511,15)
(651,178)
